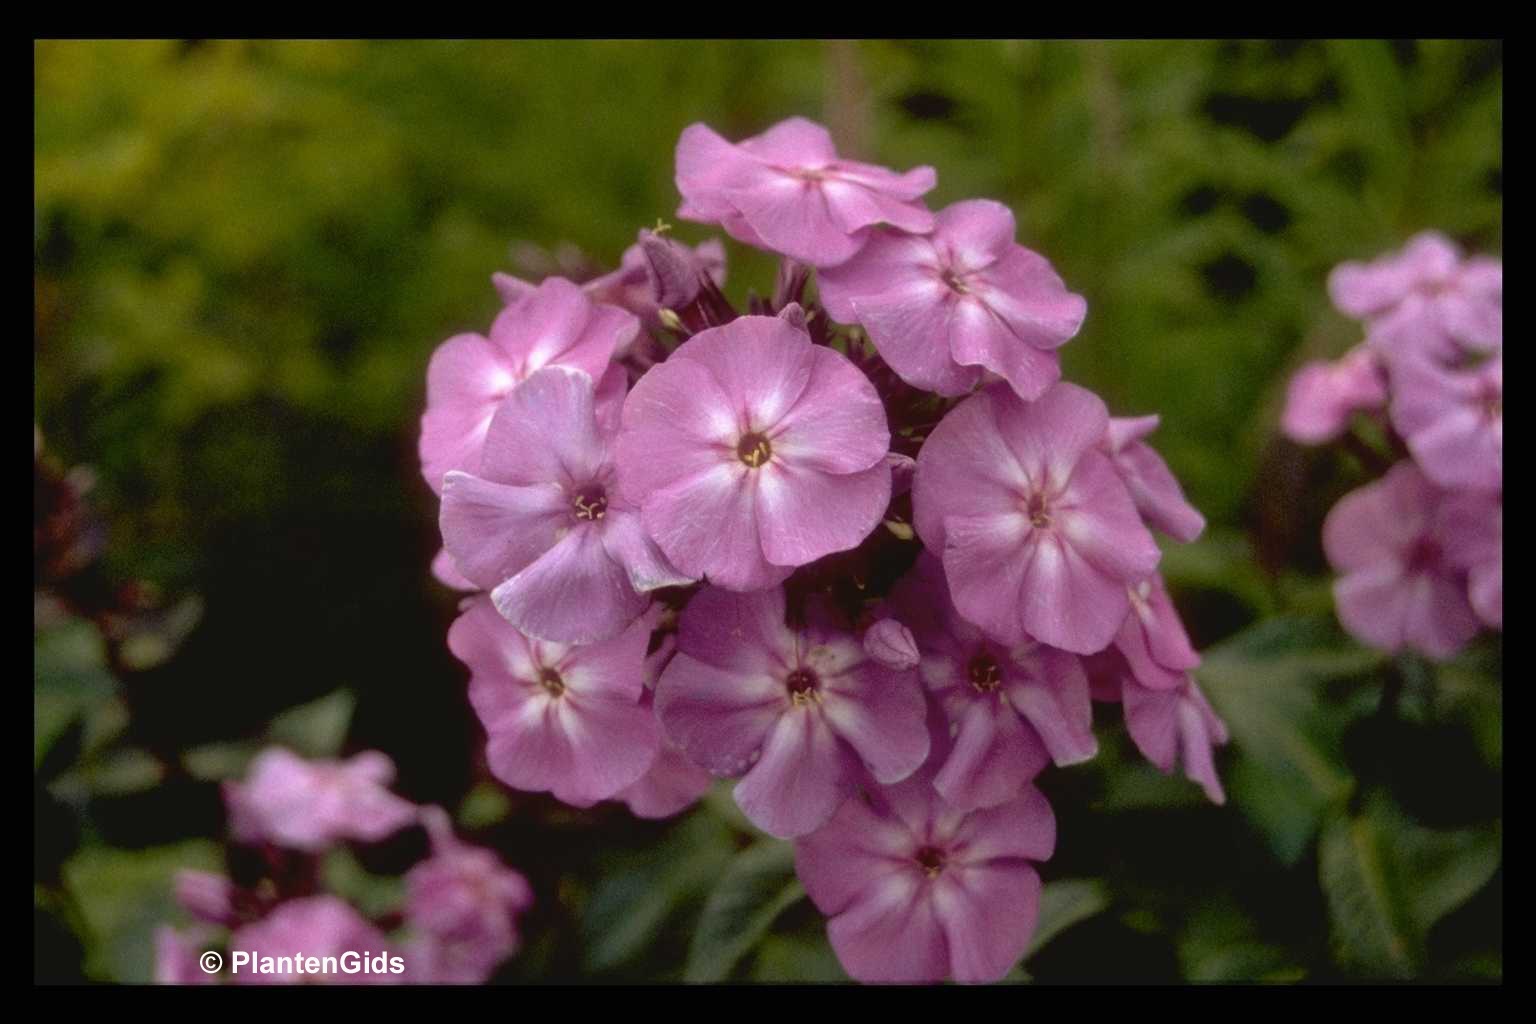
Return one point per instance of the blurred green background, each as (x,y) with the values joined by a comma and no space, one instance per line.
(245,253)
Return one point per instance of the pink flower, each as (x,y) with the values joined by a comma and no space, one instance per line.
(1152,638)
(1396,587)
(176,959)
(206,895)
(917,891)
(315,927)
(1167,724)
(787,190)
(1322,396)
(470,374)
(309,805)
(1010,709)
(542,526)
(1039,535)
(463,902)
(751,451)
(673,783)
(1452,420)
(1156,492)
(942,308)
(446,572)
(1473,524)
(1425,297)
(803,713)
(559,718)
(654,273)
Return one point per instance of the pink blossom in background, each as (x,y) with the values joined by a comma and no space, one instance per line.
(1396,587)
(308,805)
(654,273)
(1473,525)
(1152,639)
(944,307)
(470,374)
(1169,725)
(463,903)
(918,892)
(1453,421)
(788,191)
(316,926)
(176,962)
(1010,708)
(804,714)
(751,451)
(1425,299)
(1038,533)
(206,896)
(673,783)
(542,526)
(1322,396)
(1153,487)
(563,719)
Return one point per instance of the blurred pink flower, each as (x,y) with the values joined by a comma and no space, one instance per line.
(309,805)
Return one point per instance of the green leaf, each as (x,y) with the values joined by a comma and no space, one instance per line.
(802,958)
(757,887)
(374,895)
(1264,684)
(69,678)
(638,893)
(123,896)
(1388,880)
(1064,904)
(316,729)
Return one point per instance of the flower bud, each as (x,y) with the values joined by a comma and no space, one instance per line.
(891,644)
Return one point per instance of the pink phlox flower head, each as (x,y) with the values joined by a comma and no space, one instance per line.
(1038,533)
(1322,396)
(309,805)
(788,191)
(1425,298)
(655,273)
(1152,485)
(919,891)
(206,896)
(1473,525)
(1397,586)
(1010,709)
(316,926)
(470,374)
(464,902)
(1453,420)
(1152,638)
(751,451)
(942,308)
(1169,725)
(563,719)
(673,783)
(543,527)
(176,959)
(804,713)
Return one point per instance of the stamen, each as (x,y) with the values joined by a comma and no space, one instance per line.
(986,675)
(803,686)
(1039,514)
(754,450)
(932,860)
(552,683)
(590,503)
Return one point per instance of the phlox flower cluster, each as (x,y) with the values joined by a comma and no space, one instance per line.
(860,548)
(457,925)
(1419,551)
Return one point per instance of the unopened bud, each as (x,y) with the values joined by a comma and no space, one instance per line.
(891,644)
(673,271)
